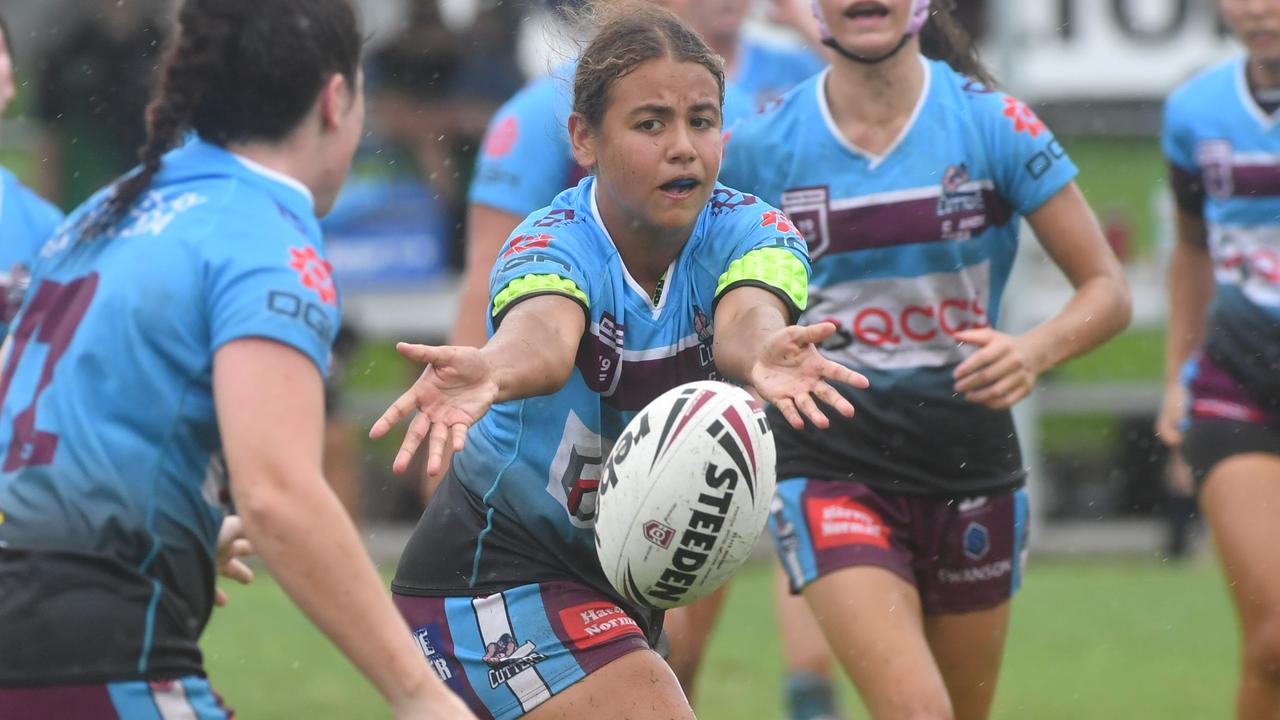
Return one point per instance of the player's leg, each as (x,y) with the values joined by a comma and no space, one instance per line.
(873,620)
(1241,499)
(845,545)
(968,648)
(807,657)
(970,560)
(636,686)
(689,630)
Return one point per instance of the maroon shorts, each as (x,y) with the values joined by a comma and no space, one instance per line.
(961,554)
(507,653)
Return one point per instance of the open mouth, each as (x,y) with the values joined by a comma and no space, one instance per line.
(864,10)
(680,187)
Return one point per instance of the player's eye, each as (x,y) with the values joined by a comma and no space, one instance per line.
(650,125)
(703,122)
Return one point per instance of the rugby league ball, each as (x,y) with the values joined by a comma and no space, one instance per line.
(685,494)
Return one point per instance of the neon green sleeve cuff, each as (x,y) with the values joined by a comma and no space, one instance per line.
(771,266)
(536,285)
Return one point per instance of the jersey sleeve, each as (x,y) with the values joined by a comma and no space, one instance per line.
(43,219)
(542,257)
(275,284)
(767,250)
(1177,140)
(1028,163)
(525,157)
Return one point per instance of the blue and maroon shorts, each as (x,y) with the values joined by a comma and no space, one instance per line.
(507,653)
(187,698)
(961,554)
(1222,420)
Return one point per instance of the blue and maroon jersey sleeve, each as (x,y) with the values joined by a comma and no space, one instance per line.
(1177,140)
(525,159)
(271,282)
(1028,163)
(543,256)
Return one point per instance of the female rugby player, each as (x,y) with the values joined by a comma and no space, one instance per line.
(908,176)
(171,349)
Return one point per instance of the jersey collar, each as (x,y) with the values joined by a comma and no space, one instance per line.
(279,177)
(873,159)
(1246,97)
(655,309)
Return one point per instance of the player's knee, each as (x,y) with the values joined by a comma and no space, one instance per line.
(1262,650)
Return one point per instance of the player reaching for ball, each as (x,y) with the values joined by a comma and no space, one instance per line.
(645,276)
(168,358)
(904,527)
(1222,402)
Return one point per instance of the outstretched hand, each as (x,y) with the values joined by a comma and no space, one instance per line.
(454,391)
(790,373)
(232,545)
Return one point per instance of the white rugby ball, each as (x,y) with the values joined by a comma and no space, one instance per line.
(685,494)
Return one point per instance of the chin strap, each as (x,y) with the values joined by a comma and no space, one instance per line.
(831,43)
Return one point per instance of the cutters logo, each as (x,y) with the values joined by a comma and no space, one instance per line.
(595,623)
(778,219)
(840,521)
(315,273)
(437,661)
(960,196)
(658,534)
(526,242)
(1024,119)
(954,177)
(506,660)
(503,138)
(1215,158)
(702,326)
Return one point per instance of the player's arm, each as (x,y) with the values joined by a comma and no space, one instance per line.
(1191,289)
(487,229)
(270,408)
(1006,367)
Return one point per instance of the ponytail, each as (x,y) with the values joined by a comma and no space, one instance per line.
(944,38)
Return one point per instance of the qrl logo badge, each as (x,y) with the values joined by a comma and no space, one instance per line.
(658,534)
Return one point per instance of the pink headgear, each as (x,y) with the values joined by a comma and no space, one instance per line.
(919,16)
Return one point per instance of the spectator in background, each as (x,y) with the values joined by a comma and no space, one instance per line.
(26,220)
(93,88)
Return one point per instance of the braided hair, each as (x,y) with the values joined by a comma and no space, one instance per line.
(238,70)
(944,38)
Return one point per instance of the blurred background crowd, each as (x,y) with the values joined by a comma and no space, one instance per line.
(436,70)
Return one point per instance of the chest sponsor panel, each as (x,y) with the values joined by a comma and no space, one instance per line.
(628,379)
(1248,257)
(1227,172)
(894,323)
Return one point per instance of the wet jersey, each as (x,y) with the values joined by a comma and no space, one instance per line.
(521,504)
(111,477)
(26,222)
(525,159)
(1225,154)
(907,248)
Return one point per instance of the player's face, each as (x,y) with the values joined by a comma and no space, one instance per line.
(348,126)
(869,28)
(657,150)
(1257,22)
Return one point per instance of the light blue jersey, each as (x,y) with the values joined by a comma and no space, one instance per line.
(522,502)
(526,160)
(26,222)
(108,434)
(908,247)
(1223,144)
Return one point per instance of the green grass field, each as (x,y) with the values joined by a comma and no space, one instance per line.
(1090,639)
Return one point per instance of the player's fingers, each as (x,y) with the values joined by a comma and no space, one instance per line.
(1167,429)
(1001,394)
(975,336)
(979,360)
(806,405)
(814,334)
(231,527)
(424,354)
(240,548)
(436,443)
(788,410)
(1000,368)
(238,571)
(836,372)
(459,433)
(219,598)
(413,437)
(832,397)
(399,410)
